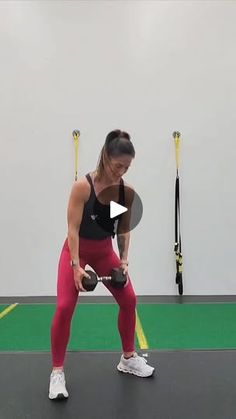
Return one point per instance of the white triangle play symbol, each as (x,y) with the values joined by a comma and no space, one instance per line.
(116,209)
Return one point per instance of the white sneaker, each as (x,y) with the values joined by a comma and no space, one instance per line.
(136,365)
(57,387)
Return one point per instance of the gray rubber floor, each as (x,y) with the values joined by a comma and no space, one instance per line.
(186,385)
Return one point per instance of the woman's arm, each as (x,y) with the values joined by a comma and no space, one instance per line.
(123,229)
(77,199)
(123,241)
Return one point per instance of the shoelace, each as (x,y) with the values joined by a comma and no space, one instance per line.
(141,359)
(58,378)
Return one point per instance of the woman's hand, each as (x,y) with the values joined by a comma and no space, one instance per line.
(79,273)
(124,266)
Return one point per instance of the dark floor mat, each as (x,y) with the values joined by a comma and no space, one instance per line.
(186,385)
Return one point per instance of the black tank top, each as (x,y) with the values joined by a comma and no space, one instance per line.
(99,226)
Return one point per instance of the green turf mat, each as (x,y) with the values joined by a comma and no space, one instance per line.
(27,327)
(3,306)
(94,327)
(189,326)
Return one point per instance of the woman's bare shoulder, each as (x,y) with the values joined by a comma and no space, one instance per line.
(81,188)
(128,185)
(129,192)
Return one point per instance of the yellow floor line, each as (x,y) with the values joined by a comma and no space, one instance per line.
(140,334)
(7,310)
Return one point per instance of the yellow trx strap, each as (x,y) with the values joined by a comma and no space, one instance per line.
(76,135)
(177,137)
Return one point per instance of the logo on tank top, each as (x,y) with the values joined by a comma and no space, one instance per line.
(94,216)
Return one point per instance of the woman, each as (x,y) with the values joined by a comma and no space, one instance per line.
(89,241)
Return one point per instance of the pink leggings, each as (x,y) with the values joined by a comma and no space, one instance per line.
(99,254)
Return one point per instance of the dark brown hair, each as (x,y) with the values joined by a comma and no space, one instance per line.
(117,143)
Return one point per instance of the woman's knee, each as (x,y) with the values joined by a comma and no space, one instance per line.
(129,301)
(64,311)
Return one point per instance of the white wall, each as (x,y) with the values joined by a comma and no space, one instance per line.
(147,67)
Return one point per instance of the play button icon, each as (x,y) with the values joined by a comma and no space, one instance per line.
(116,209)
